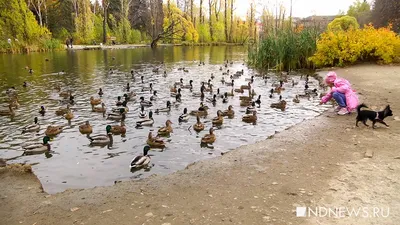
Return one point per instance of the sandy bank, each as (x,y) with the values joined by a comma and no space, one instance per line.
(316,163)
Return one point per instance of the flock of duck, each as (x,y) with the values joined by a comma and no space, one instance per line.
(118,113)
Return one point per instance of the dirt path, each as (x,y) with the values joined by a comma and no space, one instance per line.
(317,163)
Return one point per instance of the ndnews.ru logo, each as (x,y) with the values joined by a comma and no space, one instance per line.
(340,212)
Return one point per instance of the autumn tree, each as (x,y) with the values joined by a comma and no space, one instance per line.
(361,10)
(385,12)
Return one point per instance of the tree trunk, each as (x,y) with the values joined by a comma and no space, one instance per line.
(154,42)
(231,28)
(105,6)
(201,12)
(191,12)
(216,11)
(226,21)
(210,19)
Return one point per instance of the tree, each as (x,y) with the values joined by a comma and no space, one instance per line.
(360,10)
(84,23)
(226,20)
(210,6)
(106,5)
(385,12)
(38,8)
(343,23)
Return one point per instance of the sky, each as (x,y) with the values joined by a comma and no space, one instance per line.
(301,8)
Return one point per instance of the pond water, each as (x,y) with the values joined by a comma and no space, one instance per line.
(75,164)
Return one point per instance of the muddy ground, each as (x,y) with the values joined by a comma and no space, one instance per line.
(317,163)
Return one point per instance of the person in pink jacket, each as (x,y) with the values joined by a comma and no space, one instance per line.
(342,92)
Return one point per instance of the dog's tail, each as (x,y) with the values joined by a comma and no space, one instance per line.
(361,106)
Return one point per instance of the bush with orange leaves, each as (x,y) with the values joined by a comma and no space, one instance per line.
(340,48)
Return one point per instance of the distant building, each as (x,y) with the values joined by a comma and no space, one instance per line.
(320,22)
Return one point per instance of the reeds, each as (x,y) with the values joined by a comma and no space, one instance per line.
(285,50)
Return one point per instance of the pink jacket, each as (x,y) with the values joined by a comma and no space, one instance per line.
(343,86)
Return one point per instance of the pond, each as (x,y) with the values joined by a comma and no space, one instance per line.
(76,164)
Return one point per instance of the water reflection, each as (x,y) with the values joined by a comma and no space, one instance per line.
(76,163)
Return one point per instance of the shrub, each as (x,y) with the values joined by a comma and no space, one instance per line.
(343,23)
(347,47)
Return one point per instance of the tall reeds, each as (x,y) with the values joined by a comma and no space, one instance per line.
(285,49)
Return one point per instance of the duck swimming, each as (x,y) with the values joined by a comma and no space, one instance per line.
(32,128)
(167,109)
(141,161)
(230,83)
(146,122)
(155,142)
(142,113)
(219,119)
(100,92)
(165,131)
(250,118)
(213,99)
(154,97)
(42,110)
(69,115)
(296,99)
(118,129)
(145,103)
(117,116)
(209,138)
(9,112)
(150,88)
(85,128)
(251,109)
(202,111)
(174,94)
(258,101)
(101,109)
(225,99)
(184,117)
(189,86)
(102,139)
(229,113)
(53,130)
(39,148)
(198,126)
(94,101)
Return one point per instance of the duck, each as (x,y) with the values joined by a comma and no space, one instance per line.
(188,86)
(230,83)
(65,94)
(250,118)
(186,70)
(180,82)
(174,94)
(311,92)
(155,70)
(9,112)
(39,148)
(94,101)
(209,138)
(184,117)
(145,103)
(271,93)
(202,111)
(155,142)
(212,76)
(32,128)
(69,115)
(101,109)
(142,113)
(251,109)
(42,110)
(128,87)
(61,111)
(173,89)
(150,88)
(119,101)
(296,99)
(230,93)
(118,129)
(100,92)
(25,84)
(130,97)
(213,99)
(166,109)
(146,122)
(53,130)
(223,80)
(245,87)
(258,101)
(117,116)
(201,94)
(280,105)
(198,126)
(102,139)
(154,97)
(239,90)
(70,101)
(165,131)
(219,120)
(250,79)
(123,106)
(225,99)
(86,128)
(245,102)
(141,161)
(229,112)
(14,103)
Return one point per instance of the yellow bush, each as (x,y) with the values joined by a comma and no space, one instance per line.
(341,48)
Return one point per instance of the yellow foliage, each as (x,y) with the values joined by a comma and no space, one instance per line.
(341,47)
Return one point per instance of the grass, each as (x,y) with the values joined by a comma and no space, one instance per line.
(285,50)
(22,47)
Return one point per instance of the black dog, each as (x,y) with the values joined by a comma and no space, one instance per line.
(372,115)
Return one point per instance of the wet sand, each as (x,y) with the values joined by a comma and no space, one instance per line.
(320,162)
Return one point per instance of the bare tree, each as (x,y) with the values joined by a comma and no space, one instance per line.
(226,20)
(217,7)
(231,28)
(37,6)
(210,6)
(105,4)
(201,12)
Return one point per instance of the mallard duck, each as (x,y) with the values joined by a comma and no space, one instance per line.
(201,94)
(145,103)
(180,82)
(117,116)
(209,138)
(123,106)
(119,101)
(280,105)
(69,115)
(213,99)
(53,130)
(42,110)
(250,118)
(239,90)
(154,97)
(198,126)
(184,117)
(118,129)
(202,111)
(102,139)
(128,87)
(101,109)
(186,70)
(188,86)
(245,87)
(14,103)
(70,101)
(311,92)
(146,122)
(225,98)
(164,131)
(9,112)
(229,113)
(174,94)
(141,161)
(245,102)
(223,80)
(150,88)
(212,76)
(166,109)
(173,89)
(100,92)
(155,70)
(209,89)
(251,109)
(131,96)
(65,94)
(230,93)
(85,128)
(61,111)
(296,99)
(94,101)
(155,142)
(250,79)
(32,128)
(219,119)
(39,148)
(258,101)
(142,113)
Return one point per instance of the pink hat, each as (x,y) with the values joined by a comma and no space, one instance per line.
(330,77)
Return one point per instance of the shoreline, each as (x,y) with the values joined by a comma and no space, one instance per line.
(319,162)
